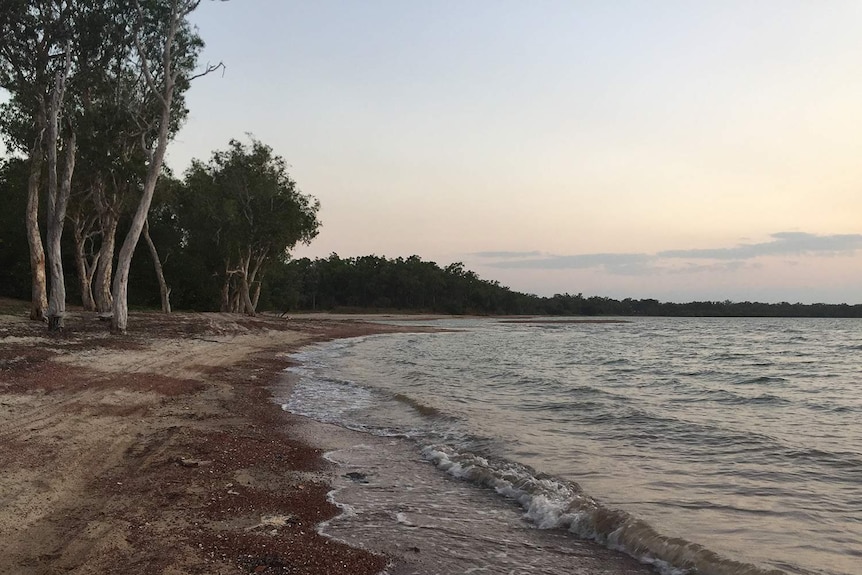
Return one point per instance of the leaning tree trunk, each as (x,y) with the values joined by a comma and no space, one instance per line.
(39,288)
(164,290)
(164,93)
(247,304)
(120,291)
(256,297)
(254,280)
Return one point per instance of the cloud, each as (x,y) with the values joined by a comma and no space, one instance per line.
(731,259)
(721,267)
(783,243)
(506,255)
(581,261)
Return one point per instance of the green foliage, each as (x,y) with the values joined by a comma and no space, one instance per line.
(245,197)
(14,250)
(241,212)
(411,284)
(373,282)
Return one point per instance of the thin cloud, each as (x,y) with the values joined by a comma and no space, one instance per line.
(721,267)
(506,255)
(581,261)
(783,243)
(732,259)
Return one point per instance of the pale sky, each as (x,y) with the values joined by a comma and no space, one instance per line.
(671,149)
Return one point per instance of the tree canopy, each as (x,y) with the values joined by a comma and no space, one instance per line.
(242,210)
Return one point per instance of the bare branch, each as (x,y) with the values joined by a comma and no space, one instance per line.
(210,68)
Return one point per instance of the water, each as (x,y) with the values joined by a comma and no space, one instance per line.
(715,446)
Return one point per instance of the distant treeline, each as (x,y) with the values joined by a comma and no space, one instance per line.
(373,282)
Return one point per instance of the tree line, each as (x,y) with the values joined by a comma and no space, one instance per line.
(96,91)
(379,283)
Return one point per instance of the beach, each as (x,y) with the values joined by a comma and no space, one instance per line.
(161,451)
(218,443)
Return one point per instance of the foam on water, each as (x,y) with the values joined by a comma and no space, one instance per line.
(551,503)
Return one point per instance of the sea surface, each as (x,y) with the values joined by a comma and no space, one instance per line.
(708,446)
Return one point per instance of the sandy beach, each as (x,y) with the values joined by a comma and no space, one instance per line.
(164,451)
(161,451)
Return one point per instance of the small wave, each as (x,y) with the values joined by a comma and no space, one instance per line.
(563,406)
(728,397)
(550,503)
(838,460)
(830,408)
(767,398)
(762,380)
(421,408)
(730,356)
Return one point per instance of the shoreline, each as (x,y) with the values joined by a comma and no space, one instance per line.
(162,451)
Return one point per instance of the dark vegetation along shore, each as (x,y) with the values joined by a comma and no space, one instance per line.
(161,452)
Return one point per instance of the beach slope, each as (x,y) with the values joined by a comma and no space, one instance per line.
(161,451)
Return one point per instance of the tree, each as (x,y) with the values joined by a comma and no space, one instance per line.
(166,51)
(35,62)
(116,76)
(244,207)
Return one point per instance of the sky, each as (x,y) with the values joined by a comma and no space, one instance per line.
(669,149)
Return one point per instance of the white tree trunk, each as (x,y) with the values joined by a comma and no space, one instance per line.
(56,219)
(120,291)
(162,87)
(39,286)
(58,194)
(105,268)
(245,304)
(165,95)
(256,281)
(256,297)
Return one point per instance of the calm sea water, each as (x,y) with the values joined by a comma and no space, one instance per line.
(710,446)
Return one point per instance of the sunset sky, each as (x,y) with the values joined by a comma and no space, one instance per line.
(676,150)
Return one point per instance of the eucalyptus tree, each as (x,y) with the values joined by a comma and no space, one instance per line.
(52,63)
(69,65)
(35,65)
(245,210)
(165,55)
